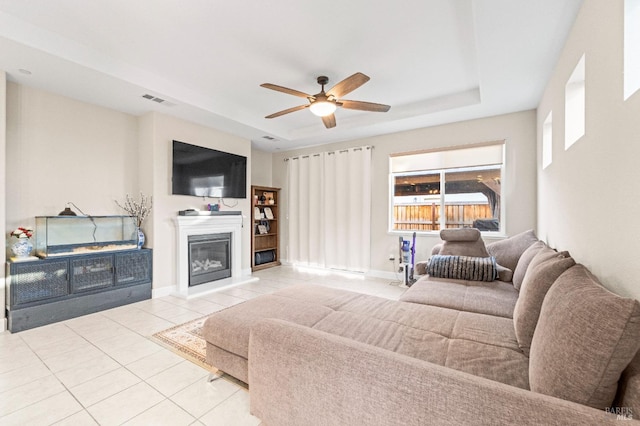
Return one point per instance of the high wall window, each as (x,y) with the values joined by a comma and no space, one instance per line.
(547,141)
(575,103)
(451,188)
(631,47)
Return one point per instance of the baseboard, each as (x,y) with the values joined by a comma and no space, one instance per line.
(3,325)
(163,291)
(372,273)
(386,275)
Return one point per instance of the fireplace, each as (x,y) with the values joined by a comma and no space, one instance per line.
(209,258)
(218,262)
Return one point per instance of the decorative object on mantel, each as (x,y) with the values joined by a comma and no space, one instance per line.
(22,248)
(138,209)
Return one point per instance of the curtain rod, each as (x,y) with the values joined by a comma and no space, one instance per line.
(338,151)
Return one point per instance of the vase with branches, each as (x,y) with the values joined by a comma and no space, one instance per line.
(139,209)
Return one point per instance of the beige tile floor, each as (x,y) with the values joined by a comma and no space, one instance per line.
(104,368)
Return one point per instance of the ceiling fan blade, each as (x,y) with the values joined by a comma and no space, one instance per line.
(285,90)
(329,121)
(348,85)
(287,111)
(363,106)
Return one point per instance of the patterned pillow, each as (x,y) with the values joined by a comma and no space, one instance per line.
(463,267)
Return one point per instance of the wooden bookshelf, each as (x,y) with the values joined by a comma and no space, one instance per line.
(265,239)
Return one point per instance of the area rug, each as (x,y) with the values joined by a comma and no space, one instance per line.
(186,340)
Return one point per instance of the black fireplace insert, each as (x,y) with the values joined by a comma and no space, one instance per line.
(209,258)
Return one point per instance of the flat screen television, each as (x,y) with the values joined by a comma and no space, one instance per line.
(206,172)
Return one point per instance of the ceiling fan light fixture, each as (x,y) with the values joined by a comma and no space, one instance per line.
(323,108)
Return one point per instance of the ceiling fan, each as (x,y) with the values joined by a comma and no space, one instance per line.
(324,104)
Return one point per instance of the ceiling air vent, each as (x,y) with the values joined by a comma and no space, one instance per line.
(158,100)
(269,138)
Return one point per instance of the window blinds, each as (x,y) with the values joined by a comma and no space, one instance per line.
(478,155)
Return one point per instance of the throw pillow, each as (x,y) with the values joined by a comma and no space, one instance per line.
(524,261)
(504,274)
(508,251)
(463,268)
(585,339)
(543,271)
(421,267)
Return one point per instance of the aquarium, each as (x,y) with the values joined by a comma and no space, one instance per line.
(65,235)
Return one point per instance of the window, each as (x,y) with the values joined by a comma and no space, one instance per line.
(574,109)
(451,188)
(547,141)
(631,50)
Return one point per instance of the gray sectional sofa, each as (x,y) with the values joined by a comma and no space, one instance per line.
(548,347)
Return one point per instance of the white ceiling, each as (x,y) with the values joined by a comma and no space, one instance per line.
(433,61)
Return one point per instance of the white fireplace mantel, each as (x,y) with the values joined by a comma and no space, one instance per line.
(202,225)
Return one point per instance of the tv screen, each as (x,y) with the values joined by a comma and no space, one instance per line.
(206,172)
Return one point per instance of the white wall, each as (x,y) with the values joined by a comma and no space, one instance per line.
(589,197)
(261,169)
(61,150)
(519,131)
(157,131)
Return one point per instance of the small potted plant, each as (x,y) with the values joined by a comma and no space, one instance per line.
(22,248)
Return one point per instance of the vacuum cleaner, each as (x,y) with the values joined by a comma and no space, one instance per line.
(408,260)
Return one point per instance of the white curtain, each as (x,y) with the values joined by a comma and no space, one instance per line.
(330,209)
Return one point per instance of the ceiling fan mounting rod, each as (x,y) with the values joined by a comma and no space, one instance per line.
(322,80)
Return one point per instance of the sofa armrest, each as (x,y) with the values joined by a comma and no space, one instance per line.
(298,375)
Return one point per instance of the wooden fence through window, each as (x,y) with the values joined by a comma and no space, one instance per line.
(426,217)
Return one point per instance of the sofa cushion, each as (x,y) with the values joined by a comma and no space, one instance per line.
(524,261)
(229,329)
(460,234)
(628,394)
(491,298)
(584,340)
(543,271)
(463,267)
(508,251)
(477,344)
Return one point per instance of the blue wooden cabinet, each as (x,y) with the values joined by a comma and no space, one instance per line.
(49,290)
